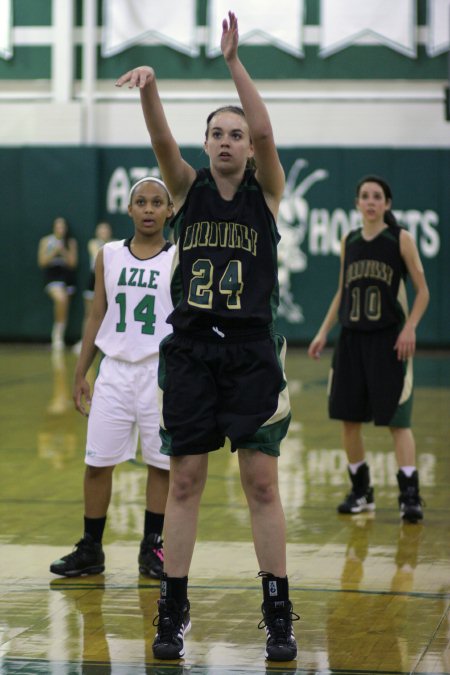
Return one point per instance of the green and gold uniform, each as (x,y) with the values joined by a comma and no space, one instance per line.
(222,369)
(367,381)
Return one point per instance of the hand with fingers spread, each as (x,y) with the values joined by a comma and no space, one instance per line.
(137,77)
(230,37)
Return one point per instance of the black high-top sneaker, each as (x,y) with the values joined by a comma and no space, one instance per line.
(409,500)
(277,619)
(151,556)
(361,497)
(86,558)
(173,622)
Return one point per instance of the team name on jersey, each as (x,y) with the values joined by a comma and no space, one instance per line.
(136,276)
(369,269)
(221,235)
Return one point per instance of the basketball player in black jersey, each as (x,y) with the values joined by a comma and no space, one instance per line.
(371,376)
(222,372)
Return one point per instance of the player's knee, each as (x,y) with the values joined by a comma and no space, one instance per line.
(185,487)
(97,472)
(262,491)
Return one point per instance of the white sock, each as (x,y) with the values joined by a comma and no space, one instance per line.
(354,467)
(408,470)
(58,332)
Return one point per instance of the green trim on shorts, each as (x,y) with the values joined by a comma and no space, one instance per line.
(268,438)
(402,416)
(162,361)
(166,442)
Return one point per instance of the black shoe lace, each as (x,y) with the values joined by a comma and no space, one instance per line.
(278,621)
(153,542)
(168,621)
(78,548)
(412,498)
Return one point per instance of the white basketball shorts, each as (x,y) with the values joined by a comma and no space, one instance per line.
(124,409)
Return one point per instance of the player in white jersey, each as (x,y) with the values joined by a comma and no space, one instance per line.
(127,323)
(103,234)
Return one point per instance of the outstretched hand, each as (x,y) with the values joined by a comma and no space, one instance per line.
(230,37)
(137,77)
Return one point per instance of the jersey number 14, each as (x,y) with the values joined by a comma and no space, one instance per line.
(144,312)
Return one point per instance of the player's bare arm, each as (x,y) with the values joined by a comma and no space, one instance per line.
(269,172)
(175,171)
(81,389)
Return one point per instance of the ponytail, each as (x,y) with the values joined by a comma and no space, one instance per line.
(389,218)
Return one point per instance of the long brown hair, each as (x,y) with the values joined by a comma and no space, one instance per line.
(389,218)
(237,110)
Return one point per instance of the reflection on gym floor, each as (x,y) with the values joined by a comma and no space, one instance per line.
(373,594)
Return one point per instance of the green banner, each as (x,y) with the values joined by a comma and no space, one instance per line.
(87,185)
(318,209)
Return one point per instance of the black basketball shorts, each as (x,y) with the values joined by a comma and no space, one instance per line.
(213,390)
(368,382)
(60,276)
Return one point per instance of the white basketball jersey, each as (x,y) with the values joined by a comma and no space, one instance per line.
(138,296)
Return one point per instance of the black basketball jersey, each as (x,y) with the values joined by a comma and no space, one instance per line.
(373,292)
(227,274)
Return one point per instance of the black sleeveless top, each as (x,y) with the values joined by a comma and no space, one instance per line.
(373,293)
(227,275)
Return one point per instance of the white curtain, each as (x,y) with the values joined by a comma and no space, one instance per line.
(438,27)
(6,49)
(130,22)
(390,22)
(279,23)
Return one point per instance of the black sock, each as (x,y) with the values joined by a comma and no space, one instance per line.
(95,527)
(153,523)
(175,588)
(275,588)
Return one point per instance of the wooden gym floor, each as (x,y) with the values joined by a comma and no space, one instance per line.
(373,594)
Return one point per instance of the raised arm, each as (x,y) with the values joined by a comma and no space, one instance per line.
(269,171)
(175,171)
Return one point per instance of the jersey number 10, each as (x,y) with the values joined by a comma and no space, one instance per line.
(372,304)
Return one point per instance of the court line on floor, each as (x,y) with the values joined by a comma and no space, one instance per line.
(75,586)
